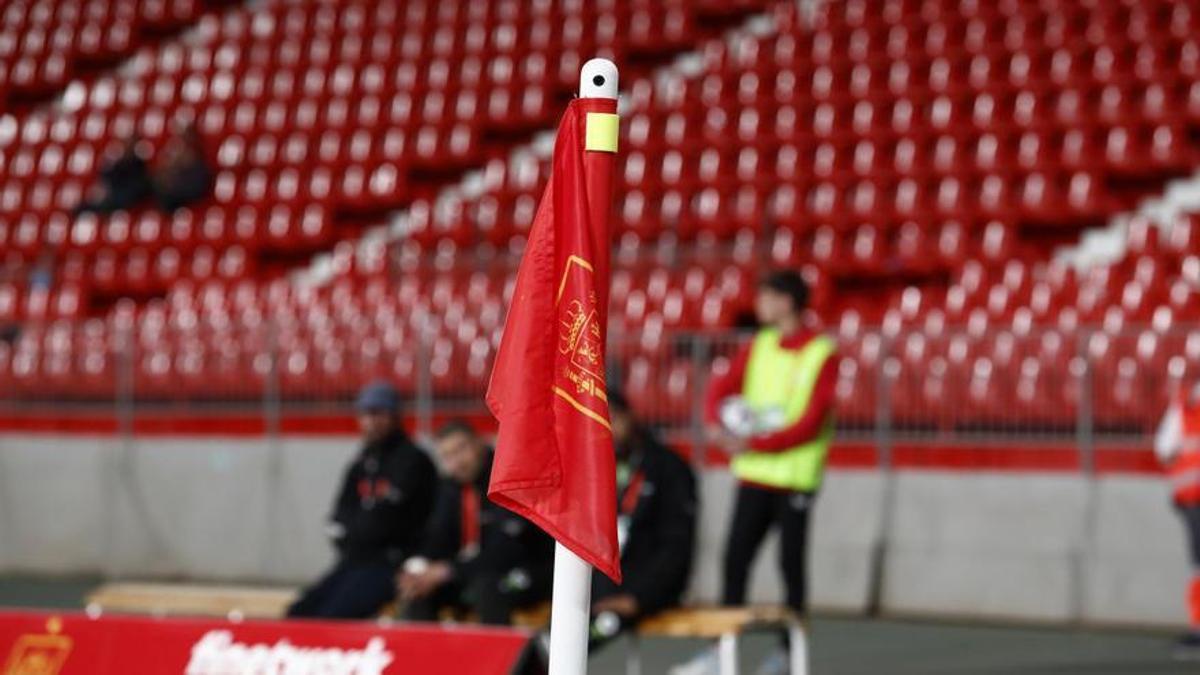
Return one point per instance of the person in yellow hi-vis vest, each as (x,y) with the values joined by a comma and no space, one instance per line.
(773,413)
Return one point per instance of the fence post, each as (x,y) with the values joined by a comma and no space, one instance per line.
(883,453)
(1085,432)
(273,387)
(701,351)
(123,394)
(883,406)
(120,464)
(424,403)
(274,538)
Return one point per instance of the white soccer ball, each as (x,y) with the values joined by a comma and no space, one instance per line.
(738,418)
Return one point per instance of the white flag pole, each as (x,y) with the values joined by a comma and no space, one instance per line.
(570,608)
(570,613)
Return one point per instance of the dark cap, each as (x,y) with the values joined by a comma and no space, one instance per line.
(378,397)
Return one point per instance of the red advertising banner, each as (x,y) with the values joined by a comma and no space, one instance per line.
(39,643)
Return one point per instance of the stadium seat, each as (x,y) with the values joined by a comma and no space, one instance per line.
(919,163)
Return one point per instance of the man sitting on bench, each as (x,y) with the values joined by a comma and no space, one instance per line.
(379,516)
(477,556)
(656,527)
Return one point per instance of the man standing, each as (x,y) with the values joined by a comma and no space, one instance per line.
(773,413)
(1177,445)
(379,516)
(477,556)
(656,527)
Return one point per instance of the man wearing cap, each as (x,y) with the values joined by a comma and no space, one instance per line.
(379,516)
(477,556)
(656,527)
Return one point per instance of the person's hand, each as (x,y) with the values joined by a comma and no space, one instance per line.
(726,441)
(732,445)
(406,584)
(419,584)
(406,576)
(623,605)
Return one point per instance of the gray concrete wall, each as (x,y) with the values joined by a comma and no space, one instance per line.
(846,528)
(1138,563)
(1046,547)
(201,508)
(993,545)
(55,503)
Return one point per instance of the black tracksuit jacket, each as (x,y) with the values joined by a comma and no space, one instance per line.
(385,502)
(506,541)
(656,560)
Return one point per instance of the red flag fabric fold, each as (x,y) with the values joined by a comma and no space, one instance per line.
(554,460)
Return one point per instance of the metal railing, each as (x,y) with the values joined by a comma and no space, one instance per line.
(1082,388)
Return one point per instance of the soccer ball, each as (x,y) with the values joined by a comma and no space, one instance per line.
(738,418)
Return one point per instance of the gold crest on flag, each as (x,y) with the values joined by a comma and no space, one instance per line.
(581,340)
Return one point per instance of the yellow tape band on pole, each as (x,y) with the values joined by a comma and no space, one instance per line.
(601,133)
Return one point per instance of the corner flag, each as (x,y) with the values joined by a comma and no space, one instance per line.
(554,454)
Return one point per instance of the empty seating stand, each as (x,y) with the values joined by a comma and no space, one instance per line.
(310,113)
(43,46)
(918,160)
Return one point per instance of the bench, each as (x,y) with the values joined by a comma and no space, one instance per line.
(250,602)
(532,618)
(535,617)
(725,625)
(191,600)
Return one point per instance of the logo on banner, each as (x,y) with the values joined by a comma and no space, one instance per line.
(580,340)
(39,654)
(216,653)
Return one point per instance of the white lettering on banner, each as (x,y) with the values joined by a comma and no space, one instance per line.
(216,653)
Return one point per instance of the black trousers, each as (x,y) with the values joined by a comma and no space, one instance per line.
(603,587)
(1191,522)
(351,590)
(756,510)
(491,595)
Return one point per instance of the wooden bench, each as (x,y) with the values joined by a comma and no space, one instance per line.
(250,602)
(536,617)
(532,618)
(192,600)
(725,625)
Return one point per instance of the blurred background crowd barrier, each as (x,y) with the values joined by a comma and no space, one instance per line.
(1082,390)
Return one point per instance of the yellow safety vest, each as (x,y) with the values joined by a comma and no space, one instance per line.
(781,379)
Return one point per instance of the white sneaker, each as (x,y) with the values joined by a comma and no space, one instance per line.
(775,664)
(706,662)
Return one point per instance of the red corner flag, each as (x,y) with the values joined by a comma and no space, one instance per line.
(554,455)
